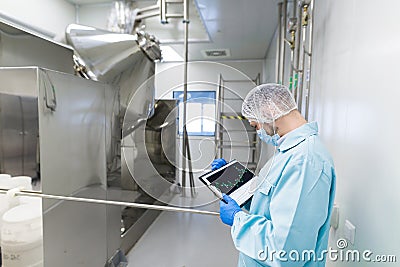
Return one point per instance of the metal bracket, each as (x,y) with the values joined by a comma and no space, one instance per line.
(160,9)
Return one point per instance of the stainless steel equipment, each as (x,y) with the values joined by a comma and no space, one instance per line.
(141,167)
(60,121)
(19,129)
(70,132)
(22,47)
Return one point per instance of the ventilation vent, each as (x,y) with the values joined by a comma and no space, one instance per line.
(216,53)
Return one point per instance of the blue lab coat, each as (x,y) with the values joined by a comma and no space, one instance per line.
(290,211)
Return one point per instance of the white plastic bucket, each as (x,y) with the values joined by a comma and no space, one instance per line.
(4,176)
(21,182)
(5,182)
(10,184)
(30,200)
(7,202)
(22,238)
(25,182)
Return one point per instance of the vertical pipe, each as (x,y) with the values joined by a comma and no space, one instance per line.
(76,13)
(301,65)
(185,141)
(302,56)
(187,21)
(189,157)
(310,39)
(305,22)
(221,134)
(282,42)
(218,127)
(291,73)
(293,46)
(163,11)
(297,51)
(278,43)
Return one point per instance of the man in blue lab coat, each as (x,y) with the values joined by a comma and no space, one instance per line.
(288,220)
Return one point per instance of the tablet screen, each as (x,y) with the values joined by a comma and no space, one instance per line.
(230,178)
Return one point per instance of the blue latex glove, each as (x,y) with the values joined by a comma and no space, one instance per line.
(228,210)
(217,163)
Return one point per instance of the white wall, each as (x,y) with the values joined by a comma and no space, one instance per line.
(52,16)
(204,76)
(355,98)
(170,75)
(95,15)
(270,61)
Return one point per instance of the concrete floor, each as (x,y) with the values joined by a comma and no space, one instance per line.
(185,240)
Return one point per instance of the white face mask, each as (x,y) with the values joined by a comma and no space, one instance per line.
(273,140)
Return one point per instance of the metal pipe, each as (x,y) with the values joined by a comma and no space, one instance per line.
(163,11)
(282,42)
(221,136)
(301,74)
(258,79)
(174,16)
(218,128)
(148,15)
(291,64)
(293,32)
(304,24)
(108,202)
(311,20)
(191,179)
(185,141)
(297,52)
(278,44)
(148,8)
(76,13)
(186,11)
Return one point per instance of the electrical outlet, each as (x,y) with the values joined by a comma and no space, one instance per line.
(349,231)
(335,217)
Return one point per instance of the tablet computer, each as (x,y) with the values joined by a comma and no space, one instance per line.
(233,179)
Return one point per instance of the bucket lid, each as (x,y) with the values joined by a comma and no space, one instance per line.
(23,213)
(24,181)
(4,176)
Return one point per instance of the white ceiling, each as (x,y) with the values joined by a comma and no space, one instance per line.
(244,27)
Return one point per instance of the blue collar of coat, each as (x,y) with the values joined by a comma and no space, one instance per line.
(298,135)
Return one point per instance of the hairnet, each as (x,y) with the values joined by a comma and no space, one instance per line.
(268,102)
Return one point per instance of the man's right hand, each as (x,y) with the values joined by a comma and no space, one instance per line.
(217,163)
